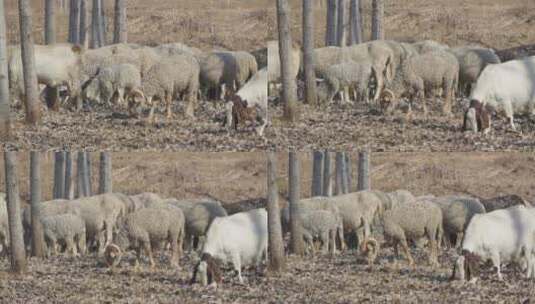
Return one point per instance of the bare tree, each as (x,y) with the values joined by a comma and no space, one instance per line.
(342,25)
(349,172)
(38,239)
(378,11)
(276,246)
(96,31)
(332,21)
(296,232)
(105,180)
(119,22)
(364,171)
(103,24)
(317,174)
(327,174)
(31,100)
(340,174)
(308,51)
(59,174)
(355,22)
(18,254)
(289,87)
(50,21)
(88,180)
(81,175)
(68,194)
(83,23)
(74,22)
(5,123)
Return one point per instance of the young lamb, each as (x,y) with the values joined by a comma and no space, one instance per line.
(322,225)
(64,228)
(119,78)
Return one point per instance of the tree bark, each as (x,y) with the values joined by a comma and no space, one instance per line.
(332,21)
(31,100)
(317,174)
(120,28)
(339,173)
(18,254)
(342,23)
(276,245)
(308,51)
(59,174)
(5,123)
(68,194)
(95,25)
(74,22)
(349,173)
(327,174)
(377,20)
(103,24)
(83,23)
(38,239)
(105,179)
(296,233)
(355,22)
(81,168)
(50,21)
(364,171)
(88,181)
(289,87)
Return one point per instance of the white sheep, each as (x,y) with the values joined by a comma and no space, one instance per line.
(472,61)
(412,221)
(323,225)
(507,87)
(240,239)
(65,228)
(118,78)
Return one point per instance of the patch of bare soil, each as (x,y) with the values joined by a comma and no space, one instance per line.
(320,279)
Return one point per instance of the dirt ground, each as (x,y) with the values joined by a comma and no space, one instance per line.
(238,177)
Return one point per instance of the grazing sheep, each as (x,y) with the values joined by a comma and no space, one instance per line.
(65,228)
(199,215)
(501,236)
(503,202)
(457,211)
(323,225)
(346,75)
(249,104)
(472,61)
(173,77)
(415,77)
(412,221)
(507,87)
(240,239)
(392,200)
(146,227)
(119,78)
(168,49)
(428,46)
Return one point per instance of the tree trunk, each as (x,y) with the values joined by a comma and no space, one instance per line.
(317,174)
(88,181)
(339,173)
(364,171)
(103,24)
(59,175)
(296,233)
(378,11)
(342,25)
(71,21)
(68,193)
(5,124)
(105,180)
(355,22)
(289,87)
(276,245)
(83,23)
(308,51)
(50,21)
(18,254)
(95,25)
(332,21)
(81,168)
(38,239)
(120,32)
(74,22)
(349,173)
(31,100)
(327,175)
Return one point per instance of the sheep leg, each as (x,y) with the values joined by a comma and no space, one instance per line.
(120,96)
(458,240)
(378,88)
(175,251)
(237,266)
(407,252)
(325,242)
(332,241)
(70,246)
(148,251)
(168,100)
(82,246)
(138,258)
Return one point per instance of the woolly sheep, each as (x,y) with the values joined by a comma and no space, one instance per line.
(346,75)
(65,228)
(146,227)
(472,61)
(503,202)
(415,77)
(199,215)
(400,226)
(427,46)
(119,78)
(457,211)
(173,76)
(392,200)
(167,49)
(240,239)
(323,225)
